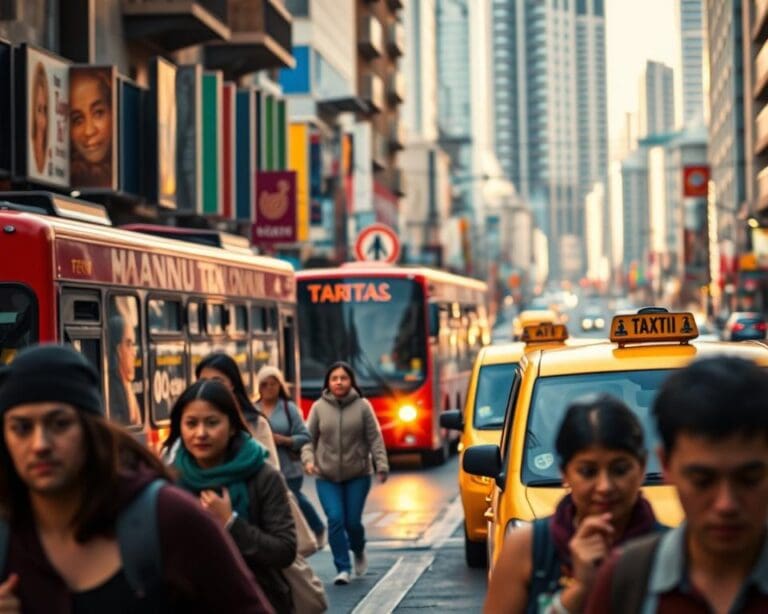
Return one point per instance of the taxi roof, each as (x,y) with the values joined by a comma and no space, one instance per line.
(500,354)
(610,357)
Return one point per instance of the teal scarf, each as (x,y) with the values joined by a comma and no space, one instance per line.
(231,474)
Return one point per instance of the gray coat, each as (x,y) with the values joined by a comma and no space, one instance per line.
(287,420)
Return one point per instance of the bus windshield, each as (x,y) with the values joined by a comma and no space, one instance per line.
(18,320)
(376,324)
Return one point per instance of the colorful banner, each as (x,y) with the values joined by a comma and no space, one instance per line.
(189,138)
(131,144)
(275,218)
(229,151)
(695,180)
(6,106)
(299,161)
(45,137)
(212,142)
(93,123)
(246,154)
(162,183)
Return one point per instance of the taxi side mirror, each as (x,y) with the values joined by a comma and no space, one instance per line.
(451,419)
(483,460)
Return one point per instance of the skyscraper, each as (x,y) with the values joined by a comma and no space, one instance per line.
(656,108)
(690,18)
(550,99)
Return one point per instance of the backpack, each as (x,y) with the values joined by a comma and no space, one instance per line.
(546,571)
(137,538)
(629,583)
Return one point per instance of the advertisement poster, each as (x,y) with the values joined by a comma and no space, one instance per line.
(189,151)
(229,152)
(212,142)
(93,123)
(275,219)
(695,180)
(6,104)
(46,107)
(131,146)
(695,241)
(246,154)
(163,103)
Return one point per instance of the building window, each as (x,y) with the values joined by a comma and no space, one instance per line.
(298,8)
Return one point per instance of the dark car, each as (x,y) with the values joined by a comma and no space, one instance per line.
(744,325)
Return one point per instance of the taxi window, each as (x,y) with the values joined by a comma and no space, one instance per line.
(493,385)
(551,397)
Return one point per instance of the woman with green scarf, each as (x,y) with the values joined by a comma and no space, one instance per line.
(219,462)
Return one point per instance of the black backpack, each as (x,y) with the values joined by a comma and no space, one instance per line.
(137,537)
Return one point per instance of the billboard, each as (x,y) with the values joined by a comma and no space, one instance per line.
(162,124)
(211,142)
(130,144)
(93,122)
(189,138)
(42,102)
(275,216)
(6,106)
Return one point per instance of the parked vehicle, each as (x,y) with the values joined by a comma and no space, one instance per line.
(745,325)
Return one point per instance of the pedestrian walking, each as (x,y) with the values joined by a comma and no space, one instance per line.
(89,523)
(223,368)
(551,565)
(290,434)
(225,467)
(346,447)
(713,422)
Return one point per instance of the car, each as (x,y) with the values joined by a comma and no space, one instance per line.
(483,418)
(592,319)
(745,325)
(644,348)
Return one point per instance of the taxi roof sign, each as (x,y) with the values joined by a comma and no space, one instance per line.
(649,326)
(544,332)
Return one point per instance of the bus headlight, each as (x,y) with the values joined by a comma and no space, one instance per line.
(407,413)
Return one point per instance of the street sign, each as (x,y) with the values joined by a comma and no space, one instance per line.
(377,243)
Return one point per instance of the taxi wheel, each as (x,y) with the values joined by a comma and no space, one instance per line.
(475,553)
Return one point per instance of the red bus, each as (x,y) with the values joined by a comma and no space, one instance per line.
(143,308)
(410,334)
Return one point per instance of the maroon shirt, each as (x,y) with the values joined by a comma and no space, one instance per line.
(204,572)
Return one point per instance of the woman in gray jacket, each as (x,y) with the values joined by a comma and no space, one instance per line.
(345,435)
(290,434)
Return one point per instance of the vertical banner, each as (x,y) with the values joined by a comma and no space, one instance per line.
(6,107)
(275,219)
(281,138)
(212,142)
(346,170)
(130,143)
(162,178)
(245,166)
(93,119)
(268,132)
(299,161)
(189,138)
(362,190)
(258,106)
(42,100)
(229,151)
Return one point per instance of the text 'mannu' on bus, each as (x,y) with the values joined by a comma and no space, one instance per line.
(145,305)
(411,335)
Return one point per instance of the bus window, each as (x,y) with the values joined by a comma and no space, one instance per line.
(215,320)
(193,318)
(239,319)
(126,374)
(18,320)
(289,349)
(90,347)
(164,316)
(237,348)
(258,318)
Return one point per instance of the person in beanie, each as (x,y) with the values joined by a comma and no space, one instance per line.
(68,479)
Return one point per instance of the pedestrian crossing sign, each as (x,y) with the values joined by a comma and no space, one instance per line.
(377,243)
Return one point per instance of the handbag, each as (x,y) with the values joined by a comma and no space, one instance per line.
(307,589)
(292,454)
(306,542)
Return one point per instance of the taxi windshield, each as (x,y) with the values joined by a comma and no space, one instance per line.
(493,385)
(551,397)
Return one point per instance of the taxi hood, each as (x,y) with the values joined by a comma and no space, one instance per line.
(542,501)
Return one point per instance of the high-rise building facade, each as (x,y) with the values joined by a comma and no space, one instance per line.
(656,105)
(690,20)
(550,113)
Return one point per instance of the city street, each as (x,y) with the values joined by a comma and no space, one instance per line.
(415,547)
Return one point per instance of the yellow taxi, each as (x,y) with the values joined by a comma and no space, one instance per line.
(644,348)
(531,317)
(483,419)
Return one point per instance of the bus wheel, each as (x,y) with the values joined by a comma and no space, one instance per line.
(475,553)
(433,458)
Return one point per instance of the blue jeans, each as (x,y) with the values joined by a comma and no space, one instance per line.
(343,504)
(306,507)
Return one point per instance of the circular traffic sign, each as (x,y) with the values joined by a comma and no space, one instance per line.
(377,243)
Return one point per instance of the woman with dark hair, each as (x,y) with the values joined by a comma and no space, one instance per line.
(90,127)
(222,368)
(345,434)
(219,462)
(551,566)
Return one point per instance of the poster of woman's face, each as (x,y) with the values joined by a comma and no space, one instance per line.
(48,118)
(91,127)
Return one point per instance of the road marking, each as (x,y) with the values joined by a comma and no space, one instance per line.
(390,590)
(438,532)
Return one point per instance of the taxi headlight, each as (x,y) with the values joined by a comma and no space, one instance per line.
(513,524)
(407,413)
(586,323)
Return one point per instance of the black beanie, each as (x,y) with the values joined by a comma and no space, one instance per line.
(50,373)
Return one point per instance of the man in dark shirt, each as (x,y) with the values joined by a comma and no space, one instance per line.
(713,420)
(67,478)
